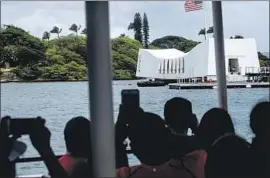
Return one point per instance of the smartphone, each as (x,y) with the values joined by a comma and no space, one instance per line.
(22,126)
(131,98)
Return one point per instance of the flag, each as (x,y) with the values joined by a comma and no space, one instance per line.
(193,5)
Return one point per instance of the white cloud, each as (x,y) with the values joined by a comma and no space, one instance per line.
(250,19)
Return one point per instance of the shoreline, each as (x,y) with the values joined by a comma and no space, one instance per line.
(52,81)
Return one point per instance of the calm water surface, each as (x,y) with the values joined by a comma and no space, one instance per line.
(58,102)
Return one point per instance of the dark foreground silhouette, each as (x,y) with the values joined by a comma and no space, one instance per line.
(162,146)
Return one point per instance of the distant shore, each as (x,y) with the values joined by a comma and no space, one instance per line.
(48,80)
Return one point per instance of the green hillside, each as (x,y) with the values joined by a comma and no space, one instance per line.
(64,58)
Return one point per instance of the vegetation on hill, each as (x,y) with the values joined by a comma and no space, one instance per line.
(264,60)
(62,58)
(176,42)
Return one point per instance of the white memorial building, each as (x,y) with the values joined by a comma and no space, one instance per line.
(241,57)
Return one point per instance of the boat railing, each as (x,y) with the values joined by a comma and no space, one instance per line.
(37,159)
(34,176)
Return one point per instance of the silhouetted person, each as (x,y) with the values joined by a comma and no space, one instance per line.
(125,118)
(40,138)
(215,123)
(179,118)
(148,138)
(228,158)
(7,168)
(260,148)
(77,138)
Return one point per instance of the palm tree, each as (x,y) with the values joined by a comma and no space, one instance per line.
(75,28)
(122,35)
(210,30)
(202,32)
(237,37)
(46,36)
(84,31)
(56,30)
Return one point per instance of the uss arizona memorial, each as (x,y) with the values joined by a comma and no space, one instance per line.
(241,58)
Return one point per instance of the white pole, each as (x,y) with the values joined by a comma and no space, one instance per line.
(220,54)
(0,14)
(205,19)
(100,88)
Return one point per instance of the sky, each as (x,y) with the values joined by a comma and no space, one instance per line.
(246,18)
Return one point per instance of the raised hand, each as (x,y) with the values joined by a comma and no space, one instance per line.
(40,137)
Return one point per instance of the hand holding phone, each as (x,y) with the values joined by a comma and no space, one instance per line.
(131,98)
(130,104)
(20,126)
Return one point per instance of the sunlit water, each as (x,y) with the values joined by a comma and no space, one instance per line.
(58,102)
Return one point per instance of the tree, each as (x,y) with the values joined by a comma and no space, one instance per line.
(46,36)
(75,28)
(12,35)
(29,57)
(10,55)
(238,37)
(122,35)
(56,30)
(84,31)
(177,42)
(145,31)
(262,57)
(202,32)
(210,30)
(136,25)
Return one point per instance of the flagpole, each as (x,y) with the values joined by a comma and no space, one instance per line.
(205,19)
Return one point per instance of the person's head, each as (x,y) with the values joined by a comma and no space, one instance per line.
(227,158)
(148,139)
(77,137)
(215,123)
(260,119)
(178,114)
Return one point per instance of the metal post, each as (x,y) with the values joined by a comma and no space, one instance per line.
(220,54)
(0,13)
(100,88)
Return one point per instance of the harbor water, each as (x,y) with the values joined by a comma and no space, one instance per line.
(60,101)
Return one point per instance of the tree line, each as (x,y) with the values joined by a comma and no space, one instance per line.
(56,30)
(210,30)
(61,58)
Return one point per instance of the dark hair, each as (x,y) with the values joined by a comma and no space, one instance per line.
(228,158)
(259,118)
(77,137)
(148,137)
(215,123)
(177,113)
